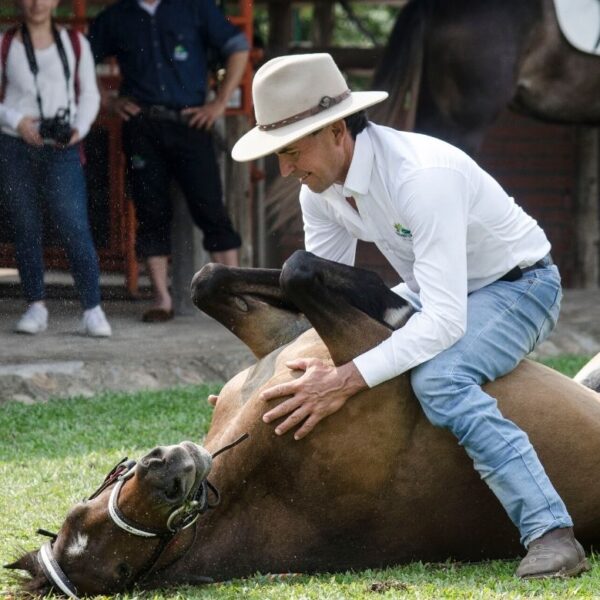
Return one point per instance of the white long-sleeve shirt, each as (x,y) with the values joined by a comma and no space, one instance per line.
(20,96)
(443,223)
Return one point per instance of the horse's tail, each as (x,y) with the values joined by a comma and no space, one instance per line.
(399,70)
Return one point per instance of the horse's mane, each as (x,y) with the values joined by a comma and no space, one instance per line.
(397,50)
(395,70)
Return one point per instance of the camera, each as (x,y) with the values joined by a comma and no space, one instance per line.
(57,128)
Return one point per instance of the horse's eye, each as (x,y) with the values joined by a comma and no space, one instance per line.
(123,570)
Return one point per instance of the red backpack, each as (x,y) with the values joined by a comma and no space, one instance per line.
(5,48)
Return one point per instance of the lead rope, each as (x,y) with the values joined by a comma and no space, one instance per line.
(206,487)
(243,437)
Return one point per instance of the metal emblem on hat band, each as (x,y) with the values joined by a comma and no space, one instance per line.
(325,103)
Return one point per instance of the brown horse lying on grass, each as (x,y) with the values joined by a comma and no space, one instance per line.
(374,485)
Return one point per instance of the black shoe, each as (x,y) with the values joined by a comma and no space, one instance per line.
(555,554)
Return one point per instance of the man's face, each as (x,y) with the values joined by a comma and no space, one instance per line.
(316,160)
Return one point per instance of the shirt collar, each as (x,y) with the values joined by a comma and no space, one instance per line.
(361,166)
(149,9)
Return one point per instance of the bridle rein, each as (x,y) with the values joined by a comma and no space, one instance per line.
(183,516)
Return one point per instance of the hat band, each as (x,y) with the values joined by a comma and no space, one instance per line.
(325,103)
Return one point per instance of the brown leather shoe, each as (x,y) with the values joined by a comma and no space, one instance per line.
(157,315)
(555,554)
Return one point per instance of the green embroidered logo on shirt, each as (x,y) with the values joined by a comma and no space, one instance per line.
(180,53)
(402,231)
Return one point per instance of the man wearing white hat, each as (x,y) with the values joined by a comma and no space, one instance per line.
(474,265)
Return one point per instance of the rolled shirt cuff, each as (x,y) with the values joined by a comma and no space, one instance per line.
(82,128)
(12,118)
(375,366)
(238,43)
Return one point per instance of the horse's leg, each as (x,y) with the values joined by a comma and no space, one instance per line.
(351,309)
(250,304)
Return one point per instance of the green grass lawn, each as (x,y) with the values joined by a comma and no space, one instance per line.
(54,454)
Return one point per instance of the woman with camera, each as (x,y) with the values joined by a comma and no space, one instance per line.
(48,102)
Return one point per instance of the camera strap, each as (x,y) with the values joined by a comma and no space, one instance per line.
(7,39)
(33,66)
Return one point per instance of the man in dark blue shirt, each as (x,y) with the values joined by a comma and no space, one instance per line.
(162,49)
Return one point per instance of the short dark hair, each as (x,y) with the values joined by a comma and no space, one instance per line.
(356,122)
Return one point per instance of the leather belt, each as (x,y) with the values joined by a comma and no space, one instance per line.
(517,272)
(158,112)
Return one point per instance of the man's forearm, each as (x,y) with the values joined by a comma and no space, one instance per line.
(234,71)
(106,94)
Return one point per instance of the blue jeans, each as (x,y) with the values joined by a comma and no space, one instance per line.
(29,176)
(505,320)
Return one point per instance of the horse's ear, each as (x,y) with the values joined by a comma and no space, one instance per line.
(28,562)
(36,586)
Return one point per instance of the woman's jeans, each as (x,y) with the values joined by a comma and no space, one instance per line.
(505,320)
(30,176)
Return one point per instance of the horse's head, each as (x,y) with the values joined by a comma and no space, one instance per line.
(117,537)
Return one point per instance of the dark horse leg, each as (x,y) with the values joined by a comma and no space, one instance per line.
(250,303)
(351,309)
(265,316)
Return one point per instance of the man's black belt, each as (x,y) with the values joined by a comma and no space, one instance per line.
(517,272)
(159,112)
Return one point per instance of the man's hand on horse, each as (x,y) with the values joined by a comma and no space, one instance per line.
(319,392)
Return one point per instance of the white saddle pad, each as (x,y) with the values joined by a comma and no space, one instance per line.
(579,21)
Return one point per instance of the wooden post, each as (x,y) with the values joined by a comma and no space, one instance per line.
(587,215)
(322,23)
(238,199)
(280,28)
(188,255)
(260,217)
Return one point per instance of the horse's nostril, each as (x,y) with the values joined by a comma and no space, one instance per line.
(173,492)
(151,461)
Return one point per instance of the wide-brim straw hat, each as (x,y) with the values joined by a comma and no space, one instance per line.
(294,96)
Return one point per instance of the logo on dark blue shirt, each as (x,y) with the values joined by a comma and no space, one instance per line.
(180,53)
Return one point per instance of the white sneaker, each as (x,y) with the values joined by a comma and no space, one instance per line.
(94,323)
(34,320)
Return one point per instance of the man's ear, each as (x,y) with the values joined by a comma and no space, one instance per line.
(338,129)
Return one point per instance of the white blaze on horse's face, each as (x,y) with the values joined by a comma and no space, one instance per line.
(77,546)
